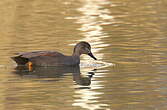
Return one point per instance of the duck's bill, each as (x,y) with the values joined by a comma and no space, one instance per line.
(91,55)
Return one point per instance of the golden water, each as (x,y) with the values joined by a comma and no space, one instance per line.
(128,37)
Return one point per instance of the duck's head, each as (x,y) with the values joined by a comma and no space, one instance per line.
(83,48)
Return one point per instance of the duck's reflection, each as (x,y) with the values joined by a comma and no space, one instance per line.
(56,72)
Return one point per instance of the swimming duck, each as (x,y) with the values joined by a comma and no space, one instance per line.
(54,58)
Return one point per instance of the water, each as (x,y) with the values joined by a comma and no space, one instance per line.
(128,38)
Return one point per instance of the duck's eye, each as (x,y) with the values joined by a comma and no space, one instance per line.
(87,49)
(82,47)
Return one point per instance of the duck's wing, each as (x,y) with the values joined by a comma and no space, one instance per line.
(23,58)
(40,53)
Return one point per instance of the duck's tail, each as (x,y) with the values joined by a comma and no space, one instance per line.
(20,60)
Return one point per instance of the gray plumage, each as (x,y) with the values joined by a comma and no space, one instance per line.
(54,58)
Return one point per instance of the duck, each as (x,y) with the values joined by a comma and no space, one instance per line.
(54,58)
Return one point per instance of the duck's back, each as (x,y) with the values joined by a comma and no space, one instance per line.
(45,58)
(37,57)
(40,53)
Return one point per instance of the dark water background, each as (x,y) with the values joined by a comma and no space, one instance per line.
(128,37)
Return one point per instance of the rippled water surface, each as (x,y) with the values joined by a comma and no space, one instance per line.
(128,37)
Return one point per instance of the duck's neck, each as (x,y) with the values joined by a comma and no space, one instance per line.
(76,54)
(76,57)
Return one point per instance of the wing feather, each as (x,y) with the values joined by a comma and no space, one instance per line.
(40,53)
